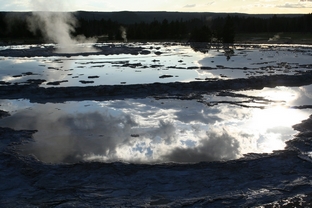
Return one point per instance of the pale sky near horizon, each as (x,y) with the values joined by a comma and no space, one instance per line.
(241,6)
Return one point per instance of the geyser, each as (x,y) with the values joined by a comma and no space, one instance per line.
(57,26)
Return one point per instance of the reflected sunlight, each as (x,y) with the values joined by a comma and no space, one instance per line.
(285,94)
(270,143)
(274,119)
(10,78)
(275,123)
(148,130)
(276,116)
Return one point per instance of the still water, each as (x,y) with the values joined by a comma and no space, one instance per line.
(162,63)
(218,127)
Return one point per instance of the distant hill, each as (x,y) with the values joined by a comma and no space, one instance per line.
(129,17)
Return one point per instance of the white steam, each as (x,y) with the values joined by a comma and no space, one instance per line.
(275,38)
(123,33)
(57,27)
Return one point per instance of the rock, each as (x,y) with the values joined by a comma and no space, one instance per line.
(165,76)
(56,82)
(93,77)
(28,73)
(86,82)
(36,81)
(4,83)
(3,114)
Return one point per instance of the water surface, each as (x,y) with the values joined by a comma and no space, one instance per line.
(218,127)
(161,63)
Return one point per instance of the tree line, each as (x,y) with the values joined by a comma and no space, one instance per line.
(220,29)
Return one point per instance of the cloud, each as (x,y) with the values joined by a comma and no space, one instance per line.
(289,5)
(302,4)
(204,116)
(213,147)
(190,6)
(149,131)
(211,3)
(67,137)
(166,131)
(70,138)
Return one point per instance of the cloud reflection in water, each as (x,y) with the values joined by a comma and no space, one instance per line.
(149,130)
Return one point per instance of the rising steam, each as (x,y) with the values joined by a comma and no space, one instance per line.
(57,27)
(123,33)
(275,38)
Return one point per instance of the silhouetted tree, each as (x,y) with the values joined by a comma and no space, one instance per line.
(202,34)
(223,29)
(228,30)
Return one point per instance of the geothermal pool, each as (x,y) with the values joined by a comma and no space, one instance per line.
(219,126)
(210,127)
(215,127)
(155,124)
(124,64)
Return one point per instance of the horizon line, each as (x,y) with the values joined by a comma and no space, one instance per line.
(28,11)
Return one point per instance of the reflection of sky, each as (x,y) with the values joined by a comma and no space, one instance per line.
(259,61)
(149,130)
(12,67)
(179,61)
(291,96)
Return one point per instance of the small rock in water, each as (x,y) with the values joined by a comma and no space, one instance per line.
(86,82)
(4,114)
(165,76)
(93,77)
(56,82)
(28,73)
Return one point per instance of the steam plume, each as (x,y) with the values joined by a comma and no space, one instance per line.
(123,33)
(275,38)
(55,26)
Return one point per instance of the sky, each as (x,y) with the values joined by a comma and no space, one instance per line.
(241,6)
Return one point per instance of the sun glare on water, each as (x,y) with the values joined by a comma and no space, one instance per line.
(282,94)
(276,116)
(276,122)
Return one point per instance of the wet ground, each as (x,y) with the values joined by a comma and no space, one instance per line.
(150,125)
